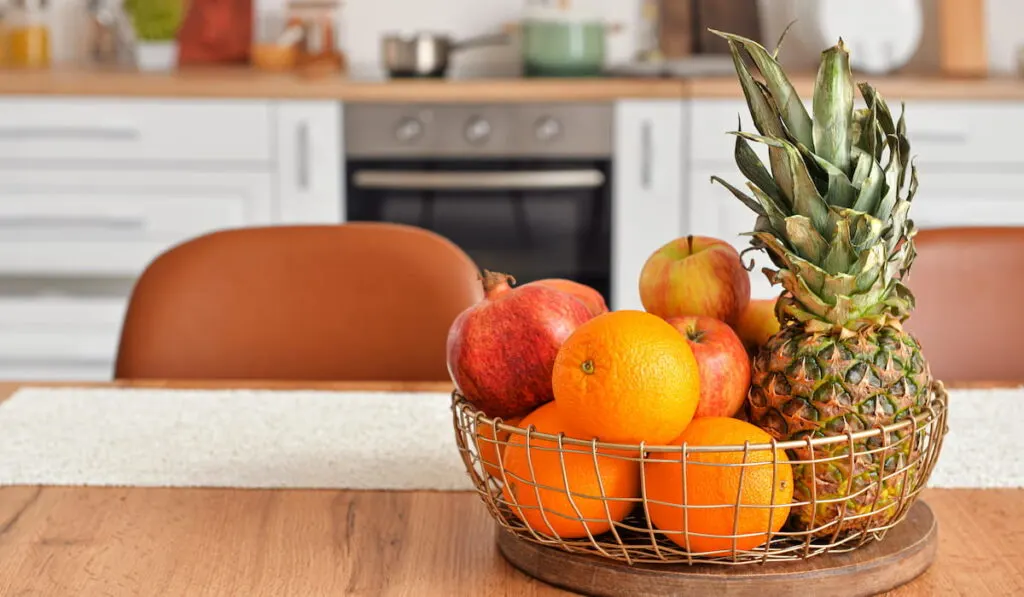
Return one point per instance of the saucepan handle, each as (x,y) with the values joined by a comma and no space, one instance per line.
(495,39)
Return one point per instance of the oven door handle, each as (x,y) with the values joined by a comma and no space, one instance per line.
(501,181)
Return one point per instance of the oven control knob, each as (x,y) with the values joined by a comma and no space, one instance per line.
(547,128)
(478,131)
(408,130)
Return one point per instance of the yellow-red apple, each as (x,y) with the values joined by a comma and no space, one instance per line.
(757,324)
(695,275)
(722,362)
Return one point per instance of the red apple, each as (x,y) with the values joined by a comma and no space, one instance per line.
(695,275)
(722,361)
(757,324)
(589,296)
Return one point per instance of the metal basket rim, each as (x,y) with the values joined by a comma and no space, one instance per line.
(939,404)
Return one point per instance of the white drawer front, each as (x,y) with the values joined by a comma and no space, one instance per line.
(114,223)
(952,200)
(80,128)
(940,132)
(35,330)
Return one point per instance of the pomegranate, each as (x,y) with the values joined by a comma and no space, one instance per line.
(501,351)
(590,297)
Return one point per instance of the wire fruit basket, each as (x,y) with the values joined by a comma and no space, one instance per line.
(874,475)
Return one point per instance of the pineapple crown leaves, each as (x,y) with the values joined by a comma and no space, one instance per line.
(832,204)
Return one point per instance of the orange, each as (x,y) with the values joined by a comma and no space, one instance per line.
(764,505)
(489,447)
(627,377)
(571,505)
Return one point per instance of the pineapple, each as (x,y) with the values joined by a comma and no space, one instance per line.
(832,216)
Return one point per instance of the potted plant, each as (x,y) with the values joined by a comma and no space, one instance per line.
(156,25)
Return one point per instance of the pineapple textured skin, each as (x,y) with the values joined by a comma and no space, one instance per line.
(820,385)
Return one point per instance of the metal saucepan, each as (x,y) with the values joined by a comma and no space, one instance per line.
(427,54)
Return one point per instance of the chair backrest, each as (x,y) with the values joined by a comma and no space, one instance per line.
(350,302)
(967,282)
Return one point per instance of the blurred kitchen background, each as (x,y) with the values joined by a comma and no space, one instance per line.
(360,24)
(547,138)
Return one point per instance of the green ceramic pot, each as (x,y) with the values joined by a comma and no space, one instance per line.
(563,48)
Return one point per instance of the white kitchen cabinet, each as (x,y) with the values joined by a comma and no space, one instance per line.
(647,203)
(182,132)
(92,189)
(950,199)
(310,162)
(105,222)
(56,336)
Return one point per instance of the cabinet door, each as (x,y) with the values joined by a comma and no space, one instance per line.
(112,223)
(310,162)
(714,211)
(647,205)
(188,132)
(948,199)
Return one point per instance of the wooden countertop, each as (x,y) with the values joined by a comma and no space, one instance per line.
(148,541)
(247,83)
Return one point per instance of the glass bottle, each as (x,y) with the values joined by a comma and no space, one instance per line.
(3,37)
(28,34)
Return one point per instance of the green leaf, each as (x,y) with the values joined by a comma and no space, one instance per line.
(904,144)
(868,269)
(913,182)
(840,256)
(790,108)
(805,239)
(766,120)
(873,98)
(888,202)
(778,251)
(838,285)
(750,165)
(805,198)
(746,199)
(775,215)
(868,139)
(782,37)
(869,177)
(809,299)
(899,219)
(840,192)
(866,229)
(833,107)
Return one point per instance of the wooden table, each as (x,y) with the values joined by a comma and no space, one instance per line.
(280,543)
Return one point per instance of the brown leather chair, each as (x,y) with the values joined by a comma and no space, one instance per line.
(351,302)
(967,282)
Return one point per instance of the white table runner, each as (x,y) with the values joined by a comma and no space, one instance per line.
(352,440)
(229,438)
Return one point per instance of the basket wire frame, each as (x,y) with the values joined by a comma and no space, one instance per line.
(901,455)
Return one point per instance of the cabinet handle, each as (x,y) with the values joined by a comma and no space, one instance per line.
(79,222)
(302,156)
(69,133)
(646,154)
(948,137)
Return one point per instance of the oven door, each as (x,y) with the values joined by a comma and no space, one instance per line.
(533,219)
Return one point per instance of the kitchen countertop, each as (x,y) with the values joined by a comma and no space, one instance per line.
(153,541)
(246,83)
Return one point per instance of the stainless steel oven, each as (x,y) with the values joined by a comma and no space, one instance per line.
(524,189)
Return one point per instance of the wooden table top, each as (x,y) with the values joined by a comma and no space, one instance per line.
(199,542)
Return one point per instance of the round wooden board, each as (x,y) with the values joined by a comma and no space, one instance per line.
(907,551)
